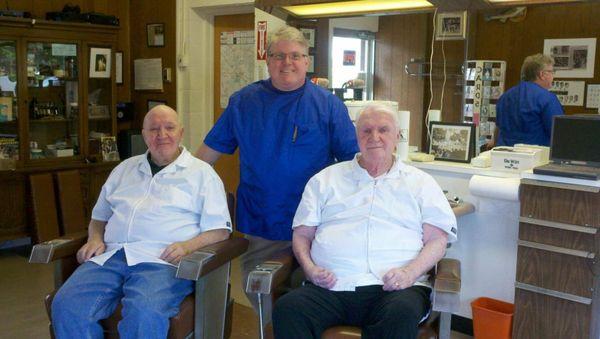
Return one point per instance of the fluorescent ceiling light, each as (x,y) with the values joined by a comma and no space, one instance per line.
(531,1)
(356,7)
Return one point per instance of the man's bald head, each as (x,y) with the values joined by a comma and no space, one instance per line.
(162,133)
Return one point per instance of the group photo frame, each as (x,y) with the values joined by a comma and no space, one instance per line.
(451,26)
(452,141)
(573,58)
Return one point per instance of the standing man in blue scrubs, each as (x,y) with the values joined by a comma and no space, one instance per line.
(287,130)
(524,112)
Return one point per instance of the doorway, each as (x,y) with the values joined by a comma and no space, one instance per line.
(352,57)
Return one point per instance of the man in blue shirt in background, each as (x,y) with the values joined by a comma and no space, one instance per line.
(524,112)
(287,130)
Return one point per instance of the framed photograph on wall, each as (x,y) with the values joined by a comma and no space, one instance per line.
(153,103)
(451,26)
(573,58)
(311,64)
(156,35)
(309,35)
(99,62)
(452,141)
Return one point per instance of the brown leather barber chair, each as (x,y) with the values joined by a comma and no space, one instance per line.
(273,278)
(203,314)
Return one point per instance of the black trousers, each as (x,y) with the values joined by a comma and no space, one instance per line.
(308,311)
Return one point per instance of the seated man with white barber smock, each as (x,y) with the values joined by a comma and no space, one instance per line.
(366,233)
(153,210)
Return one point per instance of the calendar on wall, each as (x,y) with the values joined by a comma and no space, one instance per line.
(484,84)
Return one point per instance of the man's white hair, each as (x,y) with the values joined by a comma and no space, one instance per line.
(379,108)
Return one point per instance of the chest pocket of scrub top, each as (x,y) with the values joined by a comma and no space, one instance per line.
(308,141)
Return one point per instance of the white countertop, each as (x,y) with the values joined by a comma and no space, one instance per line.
(458,167)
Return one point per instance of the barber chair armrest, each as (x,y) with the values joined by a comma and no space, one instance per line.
(51,250)
(462,208)
(446,288)
(271,274)
(208,258)
(447,277)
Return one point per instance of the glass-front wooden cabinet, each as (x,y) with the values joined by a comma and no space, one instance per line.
(9,109)
(57,92)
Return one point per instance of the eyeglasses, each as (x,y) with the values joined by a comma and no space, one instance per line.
(549,71)
(283,56)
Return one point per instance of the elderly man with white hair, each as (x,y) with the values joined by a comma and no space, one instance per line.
(366,233)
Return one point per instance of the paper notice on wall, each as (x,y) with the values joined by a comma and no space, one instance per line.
(237,62)
(148,74)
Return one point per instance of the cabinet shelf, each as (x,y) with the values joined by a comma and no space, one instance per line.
(49,121)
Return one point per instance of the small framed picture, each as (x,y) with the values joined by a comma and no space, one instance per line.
(153,103)
(99,62)
(156,35)
(309,35)
(451,26)
(109,149)
(452,141)
(311,64)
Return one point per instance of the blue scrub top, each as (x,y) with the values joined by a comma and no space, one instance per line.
(284,139)
(524,115)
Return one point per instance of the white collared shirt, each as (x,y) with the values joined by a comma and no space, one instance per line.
(146,213)
(367,226)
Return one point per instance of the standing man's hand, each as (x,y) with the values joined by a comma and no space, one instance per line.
(320,277)
(91,249)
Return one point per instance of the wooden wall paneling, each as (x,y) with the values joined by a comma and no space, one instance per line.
(123,45)
(383,58)
(400,38)
(143,12)
(322,48)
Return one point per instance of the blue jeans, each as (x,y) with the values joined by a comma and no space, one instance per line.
(150,294)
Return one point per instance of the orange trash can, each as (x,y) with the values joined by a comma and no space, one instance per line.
(492,319)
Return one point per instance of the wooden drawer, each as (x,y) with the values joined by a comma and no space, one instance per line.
(542,316)
(563,273)
(561,205)
(562,235)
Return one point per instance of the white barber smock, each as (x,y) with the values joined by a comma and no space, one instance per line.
(146,213)
(367,226)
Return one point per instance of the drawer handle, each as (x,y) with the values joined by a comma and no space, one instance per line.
(553,293)
(559,225)
(556,249)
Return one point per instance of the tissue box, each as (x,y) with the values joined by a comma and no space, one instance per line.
(66,152)
(517,158)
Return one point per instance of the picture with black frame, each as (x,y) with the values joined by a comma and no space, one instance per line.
(452,141)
